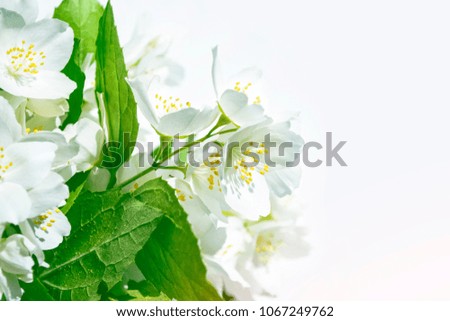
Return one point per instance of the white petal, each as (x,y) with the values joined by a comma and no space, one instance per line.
(54,38)
(187,121)
(31,162)
(10,25)
(44,85)
(51,193)
(15,255)
(233,101)
(9,20)
(89,138)
(286,240)
(170,72)
(254,133)
(294,244)
(285,208)
(212,239)
(279,133)
(141,43)
(14,203)
(28,9)
(283,180)
(212,198)
(19,105)
(141,94)
(246,76)
(235,105)
(14,101)
(65,151)
(98,180)
(250,201)
(38,123)
(9,286)
(249,115)
(27,230)
(10,129)
(216,72)
(225,277)
(47,107)
(203,225)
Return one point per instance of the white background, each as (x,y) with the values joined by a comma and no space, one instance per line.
(376,74)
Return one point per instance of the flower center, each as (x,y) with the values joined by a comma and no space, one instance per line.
(46,220)
(238,86)
(247,164)
(170,104)
(25,60)
(3,167)
(213,178)
(266,246)
(182,196)
(34,130)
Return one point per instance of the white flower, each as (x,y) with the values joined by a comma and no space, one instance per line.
(33,55)
(30,190)
(36,115)
(78,146)
(277,238)
(64,153)
(223,268)
(15,264)
(240,179)
(205,226)
(233,95)
(89,137)
(254,170)
(48,108)
(206,180)
(146,56)
(274,239)
(46,230)
(27,184)
(168,115)
(242,266)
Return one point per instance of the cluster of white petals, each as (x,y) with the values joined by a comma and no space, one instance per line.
(37,158)
(236,199)
(237,211)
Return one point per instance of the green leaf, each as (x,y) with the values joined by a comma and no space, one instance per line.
(171,259)
(108,230)
(145,288)
(118,109)
(138,296)
(76,185)
(83,17)
(35,291)
(142,291)
(73,71)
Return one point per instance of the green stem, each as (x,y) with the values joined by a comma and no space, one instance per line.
(156,166)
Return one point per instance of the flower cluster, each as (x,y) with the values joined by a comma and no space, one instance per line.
(37,158)
(238,199)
